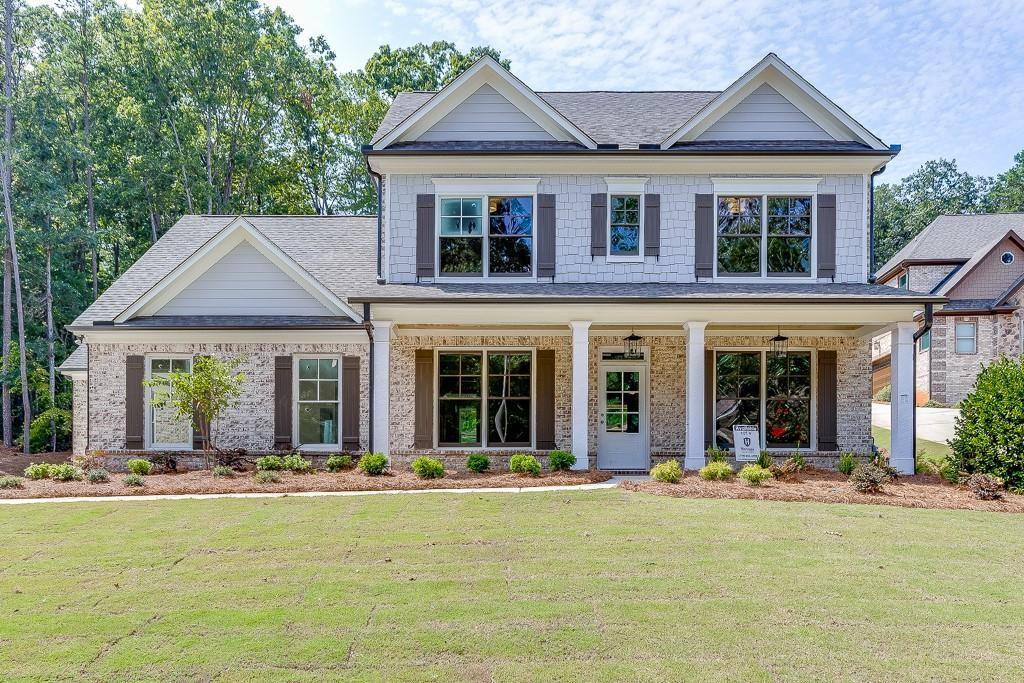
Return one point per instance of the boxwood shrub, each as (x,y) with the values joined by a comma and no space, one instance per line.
(270,463)
(296,463)
(668,472)
(559,461)
(521,463)
(66,472)
(139,466)
(846,464)
(755,475)
(428,468)
(716,470)
(373,464)
(478,462)
(337,463)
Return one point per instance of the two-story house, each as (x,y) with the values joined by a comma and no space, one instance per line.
(977,263)
(626,275)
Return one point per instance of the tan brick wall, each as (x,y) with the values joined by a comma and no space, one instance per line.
(954,374)
(925,278)
(249,424)
(80,415)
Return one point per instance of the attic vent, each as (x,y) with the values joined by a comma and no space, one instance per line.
(649,145)
(607,145)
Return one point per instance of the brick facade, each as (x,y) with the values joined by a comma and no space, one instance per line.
(953,374)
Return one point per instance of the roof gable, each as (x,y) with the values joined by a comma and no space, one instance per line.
(488,72)
(485,115)
(984,275)
(765,114)
(794,88)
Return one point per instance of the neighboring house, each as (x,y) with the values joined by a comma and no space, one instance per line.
(977,263)
(524,237)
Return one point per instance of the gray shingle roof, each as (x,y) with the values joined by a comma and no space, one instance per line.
(956,238)
(623,118)
(339,251)
(78,360)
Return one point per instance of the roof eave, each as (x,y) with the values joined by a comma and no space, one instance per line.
(784,300)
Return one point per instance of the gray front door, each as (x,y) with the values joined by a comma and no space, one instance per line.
(622,437)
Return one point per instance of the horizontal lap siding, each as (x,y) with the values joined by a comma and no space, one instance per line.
(765,114)
(486,115)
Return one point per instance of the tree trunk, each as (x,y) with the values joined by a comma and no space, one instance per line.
(154,225)
(87,144)
(5,180)
(50,361)
(8,419)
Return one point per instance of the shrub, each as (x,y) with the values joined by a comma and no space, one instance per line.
(267,477)
(478,462)
(716,470)
(755,474)
(98,476)
(337,463)
(90,461)
(66,472)
(45,424)
(799,461)
(139,466)
(990,429)
(133,480)
(524,464)
(39,470)
(985,486)
(373,464)
(559,461)
(846,464)
(869,478)
(296,463)
(9,482)
(933,404)
(668,472)
(717,454)
(949,472)
(427,468)
(270,463)
(222,471)
(765,460)
(884,394)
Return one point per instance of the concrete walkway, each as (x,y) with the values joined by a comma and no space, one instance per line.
(610,484)
(933,424)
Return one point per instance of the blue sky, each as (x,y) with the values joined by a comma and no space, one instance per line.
(942,78)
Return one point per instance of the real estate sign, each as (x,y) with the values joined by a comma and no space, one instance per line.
(747,442)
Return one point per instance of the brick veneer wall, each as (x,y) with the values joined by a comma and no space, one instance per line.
(954,374)
(80,415)
(249,424)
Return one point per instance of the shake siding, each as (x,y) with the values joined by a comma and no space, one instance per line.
(991,277)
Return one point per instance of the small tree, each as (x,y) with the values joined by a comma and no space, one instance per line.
(211,387)
(990,430)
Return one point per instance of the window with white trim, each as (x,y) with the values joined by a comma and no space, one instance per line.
(164,427)
(484,398)
(925,342)
(763,234)
(625,227)
(966,338)
(500,246)
(904,281)
(317,402)
(773,392)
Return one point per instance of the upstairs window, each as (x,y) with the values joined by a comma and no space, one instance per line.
(904,281)
(500,246)
(624,232)
(762,235)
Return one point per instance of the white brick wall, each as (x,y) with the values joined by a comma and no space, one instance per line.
(573,260)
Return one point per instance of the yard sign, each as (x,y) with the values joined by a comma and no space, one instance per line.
(747,441)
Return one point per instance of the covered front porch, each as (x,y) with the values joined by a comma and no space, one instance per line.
(462,379)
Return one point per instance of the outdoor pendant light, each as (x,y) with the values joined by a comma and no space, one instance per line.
(631,348)
(780,344)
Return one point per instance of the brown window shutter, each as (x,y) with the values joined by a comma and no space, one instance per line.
(652,225)
(424,400)
(425,233)
(704,222)
(134,403)
(826,235)
(599,224)
(828,387)
(709,398)
(545,235)
(282,402)
(197,422)
(544,383)
(350,407)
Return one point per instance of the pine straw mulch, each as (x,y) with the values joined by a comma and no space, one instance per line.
(243,482)
(819,486)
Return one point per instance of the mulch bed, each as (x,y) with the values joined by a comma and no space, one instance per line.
(818,486)
(13,461)
(243,482)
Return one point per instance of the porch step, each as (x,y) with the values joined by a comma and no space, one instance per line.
(627,473)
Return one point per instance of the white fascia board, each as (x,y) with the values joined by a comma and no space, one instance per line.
(792,86)
(619,184)
(234,233)
(74,374)
(185,336)
(486,185)
(486,71)
(731,185)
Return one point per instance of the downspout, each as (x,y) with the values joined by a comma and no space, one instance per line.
(928,313)
(368,326)
(380,219)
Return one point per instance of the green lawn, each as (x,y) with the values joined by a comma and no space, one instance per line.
(602,585)
(883,437)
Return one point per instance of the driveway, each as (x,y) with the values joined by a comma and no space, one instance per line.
(933,424)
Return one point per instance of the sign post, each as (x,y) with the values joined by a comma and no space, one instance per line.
(747,442)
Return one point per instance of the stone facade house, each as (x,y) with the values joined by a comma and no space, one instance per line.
(977,263)
(598,272)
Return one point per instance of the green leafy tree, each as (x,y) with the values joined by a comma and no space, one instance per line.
(1007,193)
(208,390)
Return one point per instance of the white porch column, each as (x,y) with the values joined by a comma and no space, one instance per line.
(382,386)
(580,392)
(902,402)
(695,456)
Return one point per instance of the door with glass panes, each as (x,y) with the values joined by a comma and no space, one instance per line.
(622,435)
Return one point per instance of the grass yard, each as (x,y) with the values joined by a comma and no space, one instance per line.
(883,439)
(603,585)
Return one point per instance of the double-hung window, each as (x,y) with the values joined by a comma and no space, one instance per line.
(966,338)
(772,392)
(164,428)
(486,236)
(484,398)
(317,405)
(625,235)
(762,235)
(904,281)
